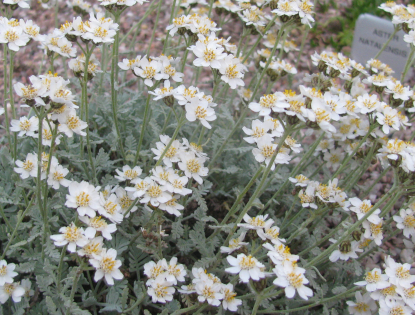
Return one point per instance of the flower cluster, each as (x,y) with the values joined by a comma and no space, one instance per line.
(9,288)
(209,288)
(393,290)
(18,33)
(164,186)
(162,276)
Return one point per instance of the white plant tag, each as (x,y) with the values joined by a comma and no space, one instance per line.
(371,32)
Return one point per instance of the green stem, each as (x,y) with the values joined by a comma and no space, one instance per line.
(20,217)
(74,286)
(408,63)
(143,129)
(114,92)
(6,112)
(396,29)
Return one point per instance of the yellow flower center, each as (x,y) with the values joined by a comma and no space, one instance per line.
(72,234)
(100,32)
(154,191)
(373,277)
(295,279)
(110,207)
(28,165)
(3,271)
(11,36)
(73,122)
(268,150)
(193,165)
(209,55)
(172,151)
(231,72)
(82,200)
(107,264)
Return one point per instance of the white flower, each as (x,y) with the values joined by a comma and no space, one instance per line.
(408,295)
(177,184)
(399,274)
(364,305)
(71,125)
(7,272)
(259,129)
(291,277)
(127,173)
(362,207)
(129,64)
(93,246)
(171,206)
(200,109)
(374,280)
(155,193)
(84,197)
(161,290)
(271,233)
(70,235)
(107,266)
(14,37)
(57,176)
(192,166)
(234,244)
(21,3)
(232,71)
(275,102)
(27,286)
(149,71)
(25,126)
(393,307)
(111,209)
(28,167)
(174,271)
(97,224)
(388,118)
(247,267)
(208,52)
(173,153)
(229,302)
(13,290)
(406,222)
(209,291)
(256,223)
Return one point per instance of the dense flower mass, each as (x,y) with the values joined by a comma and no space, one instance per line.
(207,166)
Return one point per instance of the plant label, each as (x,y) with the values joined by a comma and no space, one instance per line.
(371,32)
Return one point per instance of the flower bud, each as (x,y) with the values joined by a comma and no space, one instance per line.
(345,247)
(260,285)
(169,100)
(334,73)
(409,103)
(72,38)
(379,89)
(293,120)
(348,86)
(355,73)
(322,66)
(357,235)
(181,31)
(393,102)
(273,4)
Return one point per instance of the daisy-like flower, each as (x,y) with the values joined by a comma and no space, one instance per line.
(21,3)
(300,180)
(174,271)
(111,209)
(229,301)
(84,197)
(362,207)
(161,290)
(232,71)
(388,118)
(14,37)
(153,270)
(127,173)
(367,103)
(72,124)
(364,305)
(130,64)
(173,153)
(266,150)
(57,175)
(399,274)
(93,247)
(393,307)
(234,244)
(28,167)
(70,235)
(25,126)
(200,110)
(271,233)
(374,280)
(165,93)
(256,223)
(13,290)
(208,52)
(149,71)
(247,267)
(192,166)
(259,129)
(209,291)
(172,206)
(276,102)
(155,194)
(406,222)
(7,272)
(106,266)
(177,184)
(291,277)
(97,224)
(27,286)
(373,231)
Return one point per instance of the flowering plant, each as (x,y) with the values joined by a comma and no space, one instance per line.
(197,175)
